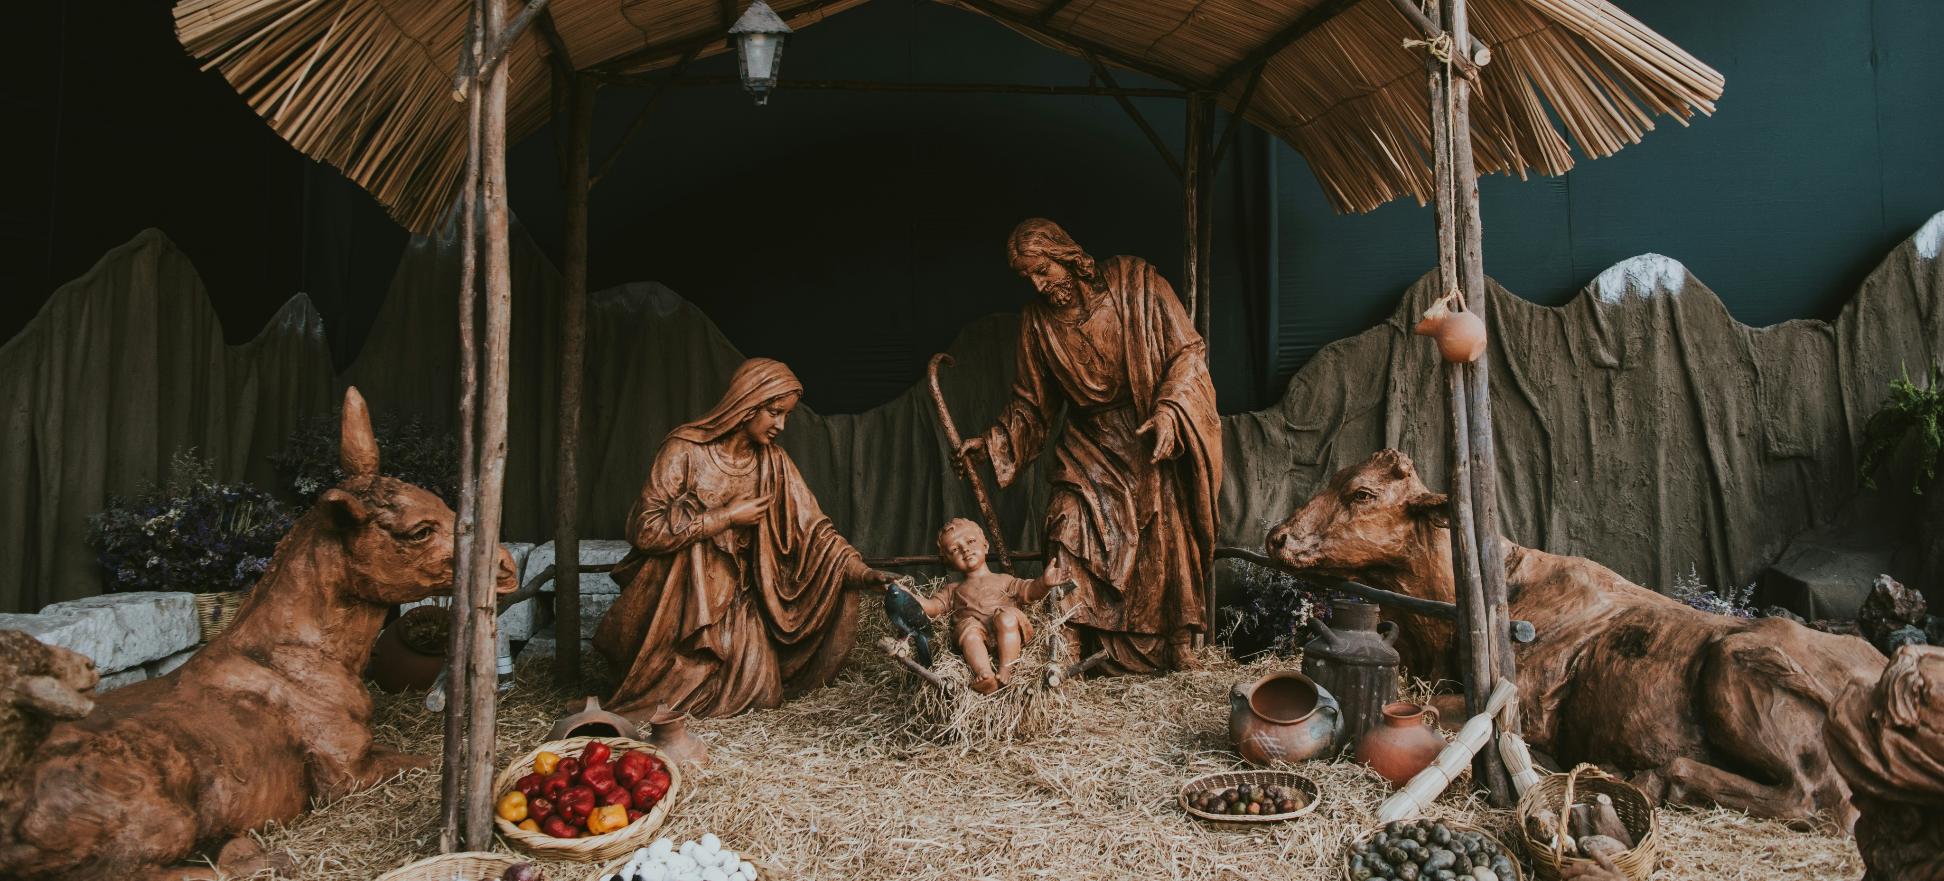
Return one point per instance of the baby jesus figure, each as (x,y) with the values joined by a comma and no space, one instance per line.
(985,605)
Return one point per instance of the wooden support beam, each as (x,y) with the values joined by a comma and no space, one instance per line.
(663,80)
(504,39)
(1052,9)
(1308,21)
(491,449)
(640,119)
(451,795)
(1426,28)
(1075,44)
(573,342)
(655,53)
(1191,179)
(726,10)
(558,56)
(1235,118)
(1134,113)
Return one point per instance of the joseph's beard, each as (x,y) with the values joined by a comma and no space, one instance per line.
(1061,297)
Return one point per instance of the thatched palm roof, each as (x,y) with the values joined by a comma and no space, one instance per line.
(367,85)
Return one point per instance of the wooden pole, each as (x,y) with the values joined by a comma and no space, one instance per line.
(573,342)
(491,449)
(1478,392)
(1204,139)
(451,809)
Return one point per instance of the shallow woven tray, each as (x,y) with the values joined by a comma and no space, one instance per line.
(472,865)
(764,871)
(1225,779)
(594,847)
(1518,870)
(1552,794)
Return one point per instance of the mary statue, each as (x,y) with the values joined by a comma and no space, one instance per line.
(735,592)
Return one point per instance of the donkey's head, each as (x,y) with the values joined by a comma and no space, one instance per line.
(398,538)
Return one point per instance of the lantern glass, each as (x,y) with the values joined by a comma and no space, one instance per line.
(760,54)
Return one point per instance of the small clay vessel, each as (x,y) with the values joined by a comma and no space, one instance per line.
(592,721)
(672,736)
(1460,335)
(1282,717)
(396,665)
(1403,745)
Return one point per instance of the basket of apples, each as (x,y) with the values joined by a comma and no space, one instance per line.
(585,798)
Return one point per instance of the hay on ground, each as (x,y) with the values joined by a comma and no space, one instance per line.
(827,787)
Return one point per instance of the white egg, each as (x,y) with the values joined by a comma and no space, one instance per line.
(747,870)
(662,847)
(654,872)
(710,842)
(730,858)
(688,848)
(714,874)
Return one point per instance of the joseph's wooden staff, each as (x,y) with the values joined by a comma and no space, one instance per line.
(966,464)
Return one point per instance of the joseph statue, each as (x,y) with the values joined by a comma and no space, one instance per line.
(1139,467)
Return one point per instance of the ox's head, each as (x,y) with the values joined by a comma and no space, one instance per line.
(397,537)
(1371,518)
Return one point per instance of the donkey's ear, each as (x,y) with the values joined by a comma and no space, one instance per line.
(357,446)
(1434,507)
(344,509)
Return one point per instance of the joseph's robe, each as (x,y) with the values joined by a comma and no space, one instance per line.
(1138,536)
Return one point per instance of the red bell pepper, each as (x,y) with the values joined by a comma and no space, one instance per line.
(617,796)
(540,808)
(644,795)
(555,784)
(630,768)
(572,767)
(530,784)
(596,775)
(558,828)
(595,753)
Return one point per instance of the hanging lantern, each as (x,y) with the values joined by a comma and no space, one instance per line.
(759,45)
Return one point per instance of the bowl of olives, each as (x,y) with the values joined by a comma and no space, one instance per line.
(1429,850)
(1249,796)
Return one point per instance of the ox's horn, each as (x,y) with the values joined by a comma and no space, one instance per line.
(357,446)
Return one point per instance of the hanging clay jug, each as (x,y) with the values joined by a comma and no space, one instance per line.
(1460,335)
(1403,745)
(672,735)
(1282,717)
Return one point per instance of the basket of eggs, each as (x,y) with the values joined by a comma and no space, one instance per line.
(585,798)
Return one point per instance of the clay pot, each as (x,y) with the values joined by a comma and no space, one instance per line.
(396,666)
(592,721)
(672,735)
(1460,335)
(1282,717)
(1403,745)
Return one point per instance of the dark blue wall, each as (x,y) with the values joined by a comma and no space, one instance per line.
(1826,151)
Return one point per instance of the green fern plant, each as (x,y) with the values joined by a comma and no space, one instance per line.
(1908,408)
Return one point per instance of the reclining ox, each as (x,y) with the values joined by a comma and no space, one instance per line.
(1694,706)
(268,716)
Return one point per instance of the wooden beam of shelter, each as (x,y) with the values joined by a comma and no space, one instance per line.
(876,86)
(561,59)
(1052,9)
(1076,44)
(640,119)
(726,10)
(515,29)
(1235,118)
(1308,21)
(1134,113)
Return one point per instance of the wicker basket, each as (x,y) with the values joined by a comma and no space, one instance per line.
(764,871)
(1555,793)
(1226,779)
(214,611)
(473,866)
(1518,872)
(594,847)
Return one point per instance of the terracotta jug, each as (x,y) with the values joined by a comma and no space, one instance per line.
(1403,745)
(592,721)
(1282,717)
(1460,335)
(672,735)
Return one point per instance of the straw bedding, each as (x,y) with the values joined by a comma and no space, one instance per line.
(833,786)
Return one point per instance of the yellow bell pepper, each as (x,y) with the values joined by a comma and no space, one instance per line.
(530,826)
(512,806)
(607,818)
(545,763)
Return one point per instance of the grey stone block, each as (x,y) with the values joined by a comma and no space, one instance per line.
(592,552)
(118,630)
(1817,579)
